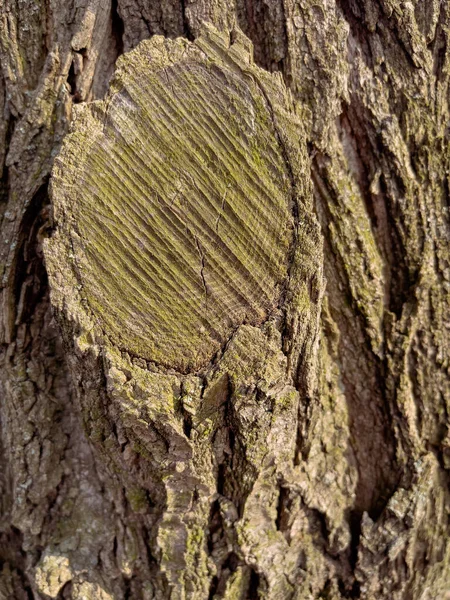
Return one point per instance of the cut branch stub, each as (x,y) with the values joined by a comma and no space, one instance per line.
(173,200)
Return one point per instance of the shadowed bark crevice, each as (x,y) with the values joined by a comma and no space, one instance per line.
(117,27)
(265,24)
(31,277)
(368,405)
(254,586)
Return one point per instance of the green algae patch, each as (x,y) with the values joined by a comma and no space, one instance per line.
(175,197)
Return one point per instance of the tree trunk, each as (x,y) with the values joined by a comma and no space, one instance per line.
(224,363)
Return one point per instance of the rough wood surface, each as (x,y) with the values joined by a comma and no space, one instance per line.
(310,458)
(173,199)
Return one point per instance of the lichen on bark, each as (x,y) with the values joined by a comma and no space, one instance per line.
(305,455)
(232,216)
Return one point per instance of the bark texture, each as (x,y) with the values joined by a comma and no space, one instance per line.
(291,439)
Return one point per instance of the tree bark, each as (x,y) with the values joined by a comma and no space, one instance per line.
(255,404)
